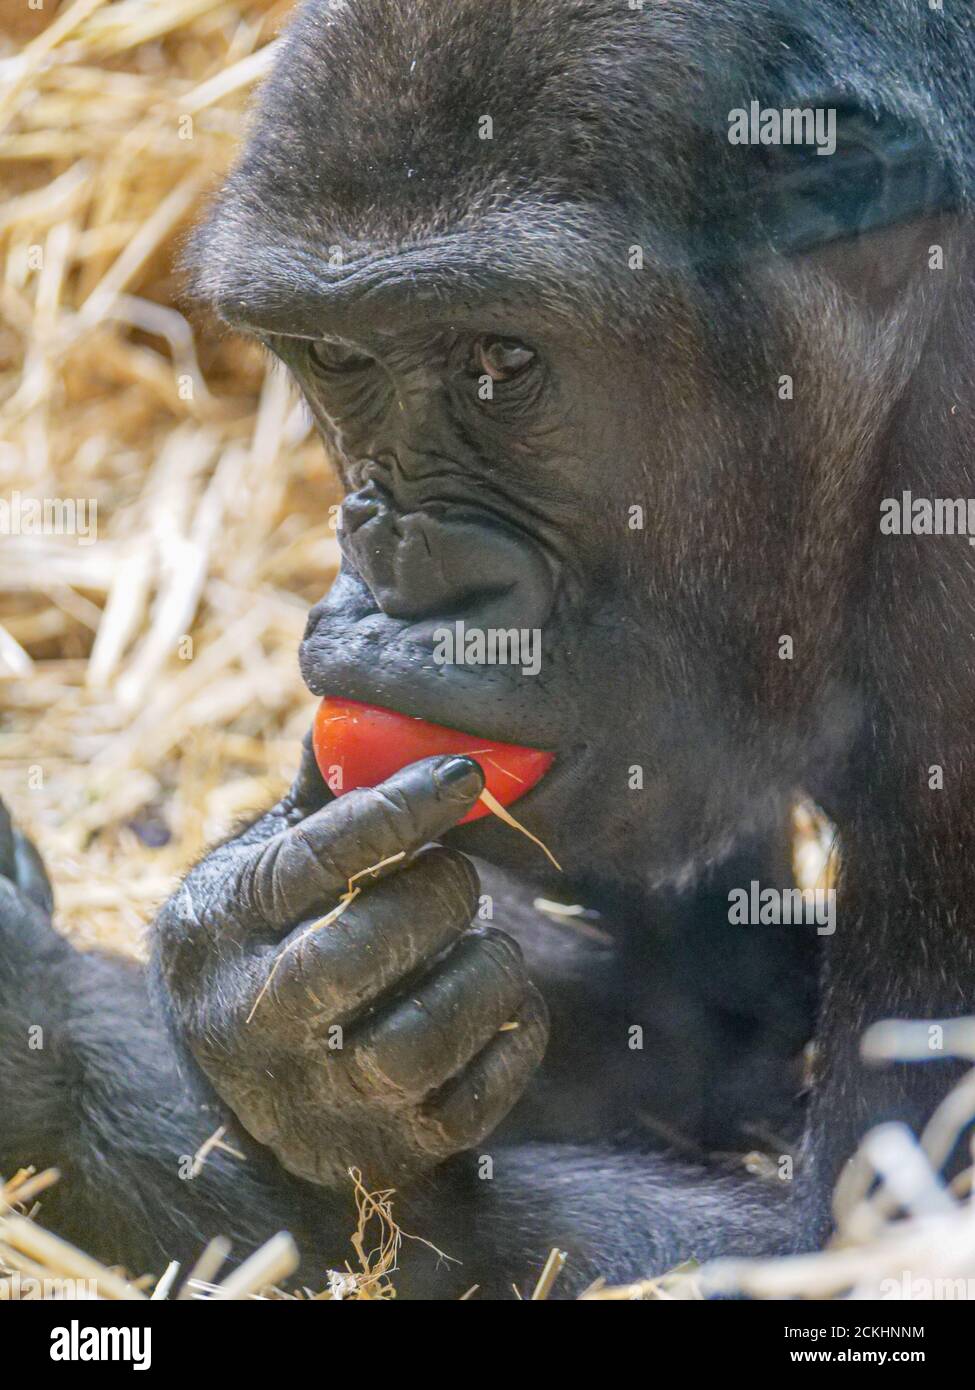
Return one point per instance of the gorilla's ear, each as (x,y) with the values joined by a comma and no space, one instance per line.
(882,172)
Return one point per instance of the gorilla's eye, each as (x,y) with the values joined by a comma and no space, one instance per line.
(333,356)
(501,359)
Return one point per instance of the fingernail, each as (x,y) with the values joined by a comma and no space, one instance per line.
(459,774)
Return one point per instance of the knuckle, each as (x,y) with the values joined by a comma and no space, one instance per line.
(214,890)
(443,1130)
(266,879)
(397,808)
(330,849)
(283,874)
(406,815)
(503,950)
(458,878)
(177,935)
(435,1140)
(376,1076)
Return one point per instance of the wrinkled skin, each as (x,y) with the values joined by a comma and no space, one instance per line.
(394,260)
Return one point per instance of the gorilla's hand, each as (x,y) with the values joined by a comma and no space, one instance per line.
(22,869)
(382,1040)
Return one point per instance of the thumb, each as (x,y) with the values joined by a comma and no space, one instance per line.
(307,867)
(307,793)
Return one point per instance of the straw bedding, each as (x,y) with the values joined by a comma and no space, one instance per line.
(149,681)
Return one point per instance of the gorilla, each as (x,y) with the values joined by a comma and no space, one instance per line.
(591,368)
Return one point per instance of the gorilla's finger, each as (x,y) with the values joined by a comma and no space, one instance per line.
(307,794)
(8,863)
(475,1103)
(22,864)
(30,874)
(422,1041)
(309,791)
(305,869)
(328,975)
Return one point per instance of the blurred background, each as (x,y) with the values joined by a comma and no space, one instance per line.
(149,689)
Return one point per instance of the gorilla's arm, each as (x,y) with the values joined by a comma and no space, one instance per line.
(90,1084)
(618,1216)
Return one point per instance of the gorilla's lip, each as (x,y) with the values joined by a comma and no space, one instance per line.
(481,707)
(332,666)
(352,651)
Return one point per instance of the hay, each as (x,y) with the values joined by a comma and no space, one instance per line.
(148,681)
(503,814)
(61,1269)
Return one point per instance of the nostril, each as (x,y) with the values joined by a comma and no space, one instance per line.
(362,506)
(378,473)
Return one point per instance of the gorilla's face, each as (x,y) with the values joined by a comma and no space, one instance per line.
(494,466)
(603,379)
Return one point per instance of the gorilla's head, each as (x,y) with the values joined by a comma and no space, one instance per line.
(593,368)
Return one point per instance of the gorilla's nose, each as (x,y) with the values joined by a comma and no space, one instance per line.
(443,562)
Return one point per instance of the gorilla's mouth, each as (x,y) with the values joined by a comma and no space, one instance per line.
(354,651)
(362,745)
